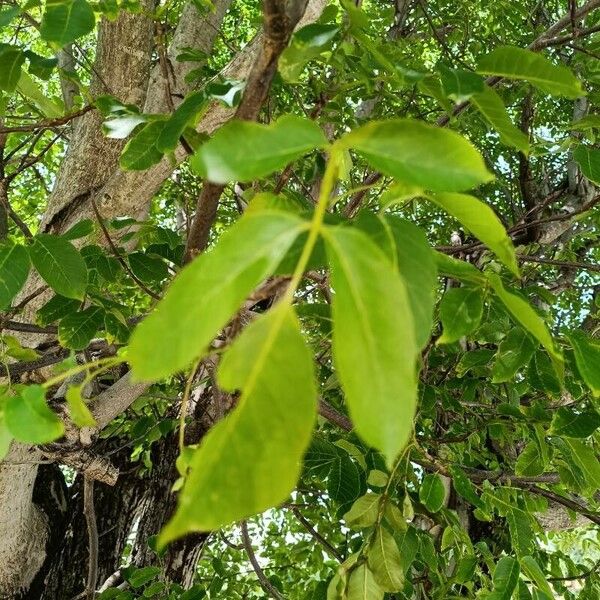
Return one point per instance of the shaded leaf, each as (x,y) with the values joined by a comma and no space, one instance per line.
(461,310)
(64,21)
(587,359)
(14,268)
(432,492)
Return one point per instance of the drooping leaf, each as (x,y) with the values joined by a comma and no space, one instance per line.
(374,351)
(481,220)
(260,444)
(518,63)
(464,487)
(243,151)
(78,410)
(64,21)
(385,562)
(14,268)
(81,229)
(526,316)
(11,60)
(362,585)
(206,294)
(587,359)
(55,309)
(417,267)
(149,269)
(29,419)
(61,266)
(490,105)
(46,105)
(432,492)
(461,310)
(515,351)
(416,153)
(585,458)
(588,160)
(506,578)
(532,570)
(76,330)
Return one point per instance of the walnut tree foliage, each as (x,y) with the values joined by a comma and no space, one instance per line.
(320,279)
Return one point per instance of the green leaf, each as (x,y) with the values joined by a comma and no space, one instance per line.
(506,578)
(11,60)
(518,63)
(374,351)
(458,269)
(61,266)
(66,20)
(463,486)
(417,154)
(14,349)
(14,268)
(147,268)
(481,220)
(262,441)
(459,84)
(208,292)
(244,151)
(526,316)
(40,99)
(55,309)
(81,229)
(362,585)
(587,359)
(364,511)
(567,422)
(29,419)
(530,462)
(141,152)
(306,43)
(585,458)
(385,562)
(432,492)
(78,410)
(5,436)
(490,105)
(461,310)
(76,330)
(588,160)
(417,267)
(532,570)
(521,534)
(514,351)
(542,375)
(185,114)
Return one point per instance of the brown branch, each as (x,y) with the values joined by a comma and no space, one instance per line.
(265,584)
(92,527)
(559,263)
(278,27)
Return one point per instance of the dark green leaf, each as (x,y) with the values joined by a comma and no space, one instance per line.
(588,160)
(14,268)
(461,310)
(506,578)
(11,59)
(66,20)
(432,492)
(60,265)
(515,351)
(76,330)
(141,151)
(587,359)
(567,422)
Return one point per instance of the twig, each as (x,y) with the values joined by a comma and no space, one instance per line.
(118,255)
(306,524)
(265,584)
(559,263)
(48,123)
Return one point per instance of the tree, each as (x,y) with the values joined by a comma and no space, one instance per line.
(299,299)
